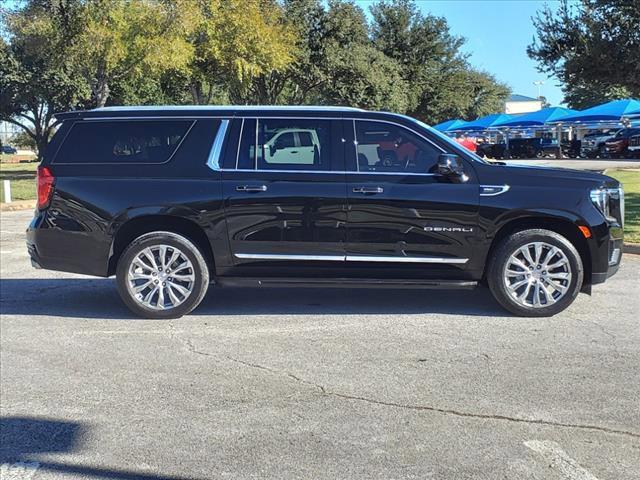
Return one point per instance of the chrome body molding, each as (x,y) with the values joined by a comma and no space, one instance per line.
(213,161)
(493,190)
(278,256)
(350,258)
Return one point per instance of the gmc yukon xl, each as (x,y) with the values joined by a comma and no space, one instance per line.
(171,200)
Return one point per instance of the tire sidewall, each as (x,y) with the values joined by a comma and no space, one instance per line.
(510,245)
(201,272)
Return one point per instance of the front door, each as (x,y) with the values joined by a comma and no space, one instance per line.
(285,197)
(404,219)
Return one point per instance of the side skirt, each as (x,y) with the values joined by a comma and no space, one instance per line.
(344,282)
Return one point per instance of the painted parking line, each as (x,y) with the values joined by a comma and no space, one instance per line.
(559,460)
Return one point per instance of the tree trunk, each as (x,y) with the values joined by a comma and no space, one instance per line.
(101,92)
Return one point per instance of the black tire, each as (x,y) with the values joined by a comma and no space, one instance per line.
(497,271)
(200,273)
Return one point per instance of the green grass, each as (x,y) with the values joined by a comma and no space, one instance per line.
(630,180)
(22,177)
(20,190)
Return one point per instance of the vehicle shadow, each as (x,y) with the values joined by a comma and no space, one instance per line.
(98,299)
(23,439)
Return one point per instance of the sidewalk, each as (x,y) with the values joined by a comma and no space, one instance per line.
(18,205)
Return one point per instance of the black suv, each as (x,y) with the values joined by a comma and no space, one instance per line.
(171,199)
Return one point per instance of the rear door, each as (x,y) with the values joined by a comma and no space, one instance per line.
(285,203)
(402,214)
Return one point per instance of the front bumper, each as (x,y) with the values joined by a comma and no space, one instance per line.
(609,255)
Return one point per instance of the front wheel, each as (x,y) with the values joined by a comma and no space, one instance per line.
(162,275)
(535,273)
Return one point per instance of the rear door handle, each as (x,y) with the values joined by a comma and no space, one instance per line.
(370,190)
(251,188)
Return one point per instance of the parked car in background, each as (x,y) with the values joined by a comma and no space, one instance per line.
(618,145)
(593,145)
(9,150)
(170,200)
(634,145)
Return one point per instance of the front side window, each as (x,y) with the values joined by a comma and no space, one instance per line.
(144,141)
(384,147)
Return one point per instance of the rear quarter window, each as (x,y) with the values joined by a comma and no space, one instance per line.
(124,142)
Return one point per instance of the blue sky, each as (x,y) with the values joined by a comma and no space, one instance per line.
(497,33)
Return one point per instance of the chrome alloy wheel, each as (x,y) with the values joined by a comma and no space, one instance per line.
(537,275)
(160,277)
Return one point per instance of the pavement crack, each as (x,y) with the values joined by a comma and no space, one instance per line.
(428,408)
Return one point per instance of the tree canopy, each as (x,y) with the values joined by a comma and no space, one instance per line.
(592,47)
(67,54)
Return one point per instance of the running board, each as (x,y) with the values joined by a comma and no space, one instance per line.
(344,282)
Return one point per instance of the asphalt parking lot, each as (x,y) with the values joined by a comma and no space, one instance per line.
(313,384)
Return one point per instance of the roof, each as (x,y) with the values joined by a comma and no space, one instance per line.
(147,108)
(449,125)
(204,110)
(485,122)
(521,98)
(610,111)
(539,118)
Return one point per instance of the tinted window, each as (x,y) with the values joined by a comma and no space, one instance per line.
(383,147)
(293,144)
(145,141)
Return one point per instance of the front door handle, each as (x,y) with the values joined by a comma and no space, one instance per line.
(368,190)
(251,188)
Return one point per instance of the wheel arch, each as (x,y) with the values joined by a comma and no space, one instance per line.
(559,225)
(134,227)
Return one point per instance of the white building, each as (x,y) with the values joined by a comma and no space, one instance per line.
(7,132)
(522,104)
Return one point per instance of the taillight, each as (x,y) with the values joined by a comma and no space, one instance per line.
(45,186)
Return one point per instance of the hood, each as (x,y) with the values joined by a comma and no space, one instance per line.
(537,175)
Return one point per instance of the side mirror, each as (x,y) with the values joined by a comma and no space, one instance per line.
(451,166)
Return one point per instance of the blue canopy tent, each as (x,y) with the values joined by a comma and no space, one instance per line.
(536,119)
(485,123)
(449,125)
(607,112)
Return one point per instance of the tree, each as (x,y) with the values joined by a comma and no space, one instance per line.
(37,78)
(592,47)
(236,41)
(441,84)
(128,38)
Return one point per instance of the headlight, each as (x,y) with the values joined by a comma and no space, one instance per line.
(603,198)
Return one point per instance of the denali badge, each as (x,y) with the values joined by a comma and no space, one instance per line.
(448,229)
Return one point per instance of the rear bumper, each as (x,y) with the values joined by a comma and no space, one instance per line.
(52,248)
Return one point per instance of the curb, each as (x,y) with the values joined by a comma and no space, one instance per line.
(18,205)
(632,248)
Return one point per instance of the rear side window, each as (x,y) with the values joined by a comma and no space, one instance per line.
(129,142)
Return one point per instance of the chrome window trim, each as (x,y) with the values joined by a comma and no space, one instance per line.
(330,172)
(213,161)
(503,189)
(350,258)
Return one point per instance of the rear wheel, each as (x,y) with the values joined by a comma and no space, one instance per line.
(535,273)
(162,275)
